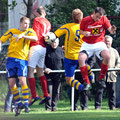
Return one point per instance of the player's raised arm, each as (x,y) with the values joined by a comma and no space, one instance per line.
(112,29)
(32,38)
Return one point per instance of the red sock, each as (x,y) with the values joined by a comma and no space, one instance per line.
(103,72)
(32,85)
(84,73)
(44,85)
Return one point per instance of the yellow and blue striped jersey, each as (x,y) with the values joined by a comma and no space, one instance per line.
(20,48)
(73,39)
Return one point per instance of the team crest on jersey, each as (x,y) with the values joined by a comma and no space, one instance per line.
(95,31)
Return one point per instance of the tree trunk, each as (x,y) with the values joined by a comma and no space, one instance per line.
(29,7)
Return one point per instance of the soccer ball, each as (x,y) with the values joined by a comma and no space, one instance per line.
(50,38)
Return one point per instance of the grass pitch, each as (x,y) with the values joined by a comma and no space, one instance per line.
(63,113)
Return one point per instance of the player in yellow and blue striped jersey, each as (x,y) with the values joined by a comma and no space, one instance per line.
(17,60)
(72,43)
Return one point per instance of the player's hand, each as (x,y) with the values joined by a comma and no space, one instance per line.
(63,47)
(46,38)
(47,70)
(86,33)
(19,37)
(113,29)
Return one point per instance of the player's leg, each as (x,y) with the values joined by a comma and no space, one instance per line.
(104,54)
(105,64)
(14,90)
(43,81)
(32,84)
(12,74)
(22,71)
(90,74)
(16,95)
(39,68)
(70,66)
(34,56)
(25,92)
(83,68)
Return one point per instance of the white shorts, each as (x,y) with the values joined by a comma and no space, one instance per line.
(96,49)
(37,56)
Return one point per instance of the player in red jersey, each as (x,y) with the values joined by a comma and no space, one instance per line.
(93,29)
(37,55)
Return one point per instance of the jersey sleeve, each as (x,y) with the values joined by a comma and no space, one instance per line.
(107,23)
(60,31)
(6,36)
(31,32)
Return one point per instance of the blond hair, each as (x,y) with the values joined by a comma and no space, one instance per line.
(77,15)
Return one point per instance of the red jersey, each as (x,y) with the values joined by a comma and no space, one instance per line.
(41,26)
(96,28)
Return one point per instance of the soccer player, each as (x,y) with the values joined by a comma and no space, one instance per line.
(93,29)
(37,56)
(17,60)
(73,42)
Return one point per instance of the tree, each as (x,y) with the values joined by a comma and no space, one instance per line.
(60,11)
(3,10)
(29,7)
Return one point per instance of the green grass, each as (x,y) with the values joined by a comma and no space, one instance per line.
(38,113)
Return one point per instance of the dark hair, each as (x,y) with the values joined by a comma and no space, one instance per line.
(41,10)
(24,18)
(99,10)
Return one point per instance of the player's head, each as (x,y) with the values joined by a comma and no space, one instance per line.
(24,23)
(108,40)
(99,10)
(41,11)
(98,13)
(77,15)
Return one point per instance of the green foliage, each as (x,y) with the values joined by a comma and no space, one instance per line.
(3,5)
(110,6)
(61,14)
(14,3)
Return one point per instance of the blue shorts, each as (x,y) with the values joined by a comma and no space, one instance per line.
(16,67)
(70,66)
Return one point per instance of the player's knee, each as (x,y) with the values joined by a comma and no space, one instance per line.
(11,85)
(82,57)
(106,57)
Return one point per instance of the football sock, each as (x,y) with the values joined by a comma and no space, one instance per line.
(44,85)
(25,93)
(32,85)
(16,95)
(84,73)
(103,72)
(76,84)
(90,73)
